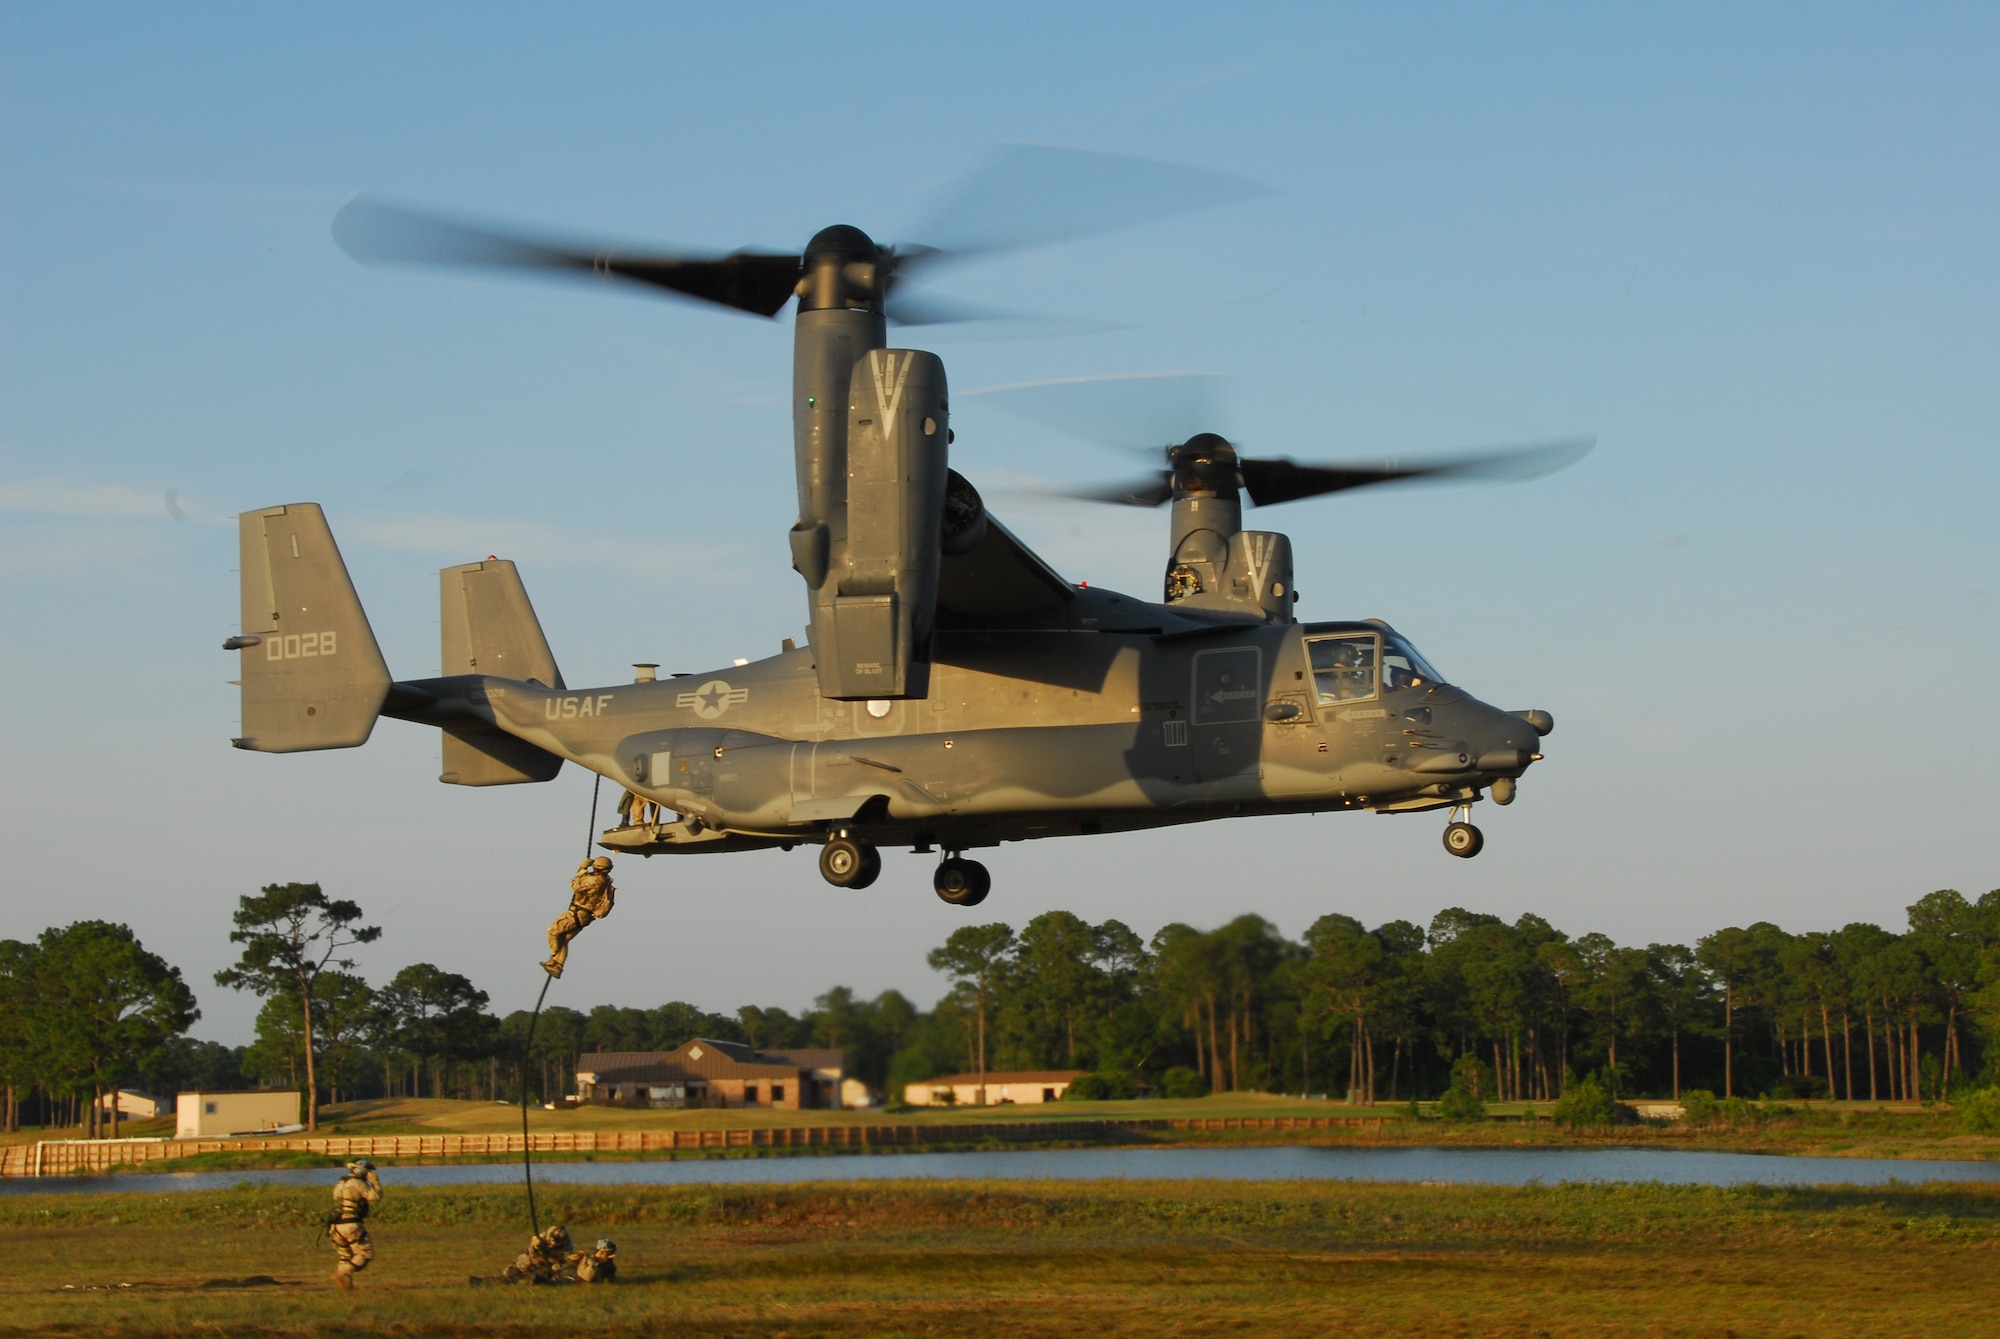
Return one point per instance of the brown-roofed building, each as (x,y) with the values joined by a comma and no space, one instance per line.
(966,1090)
(709,1073)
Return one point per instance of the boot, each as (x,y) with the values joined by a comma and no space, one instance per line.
(553,968)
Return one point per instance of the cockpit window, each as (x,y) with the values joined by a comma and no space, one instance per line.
(1343,668)
(1402,667)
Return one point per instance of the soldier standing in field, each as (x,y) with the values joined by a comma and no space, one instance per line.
(590,899)
(353,1196)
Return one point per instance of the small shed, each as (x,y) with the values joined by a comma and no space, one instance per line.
(134,1105)
(1023,1086)
(210,1115)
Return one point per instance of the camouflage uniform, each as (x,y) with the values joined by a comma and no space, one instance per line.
(590,899)
(353,1196)
(598,1264)
(543,1260)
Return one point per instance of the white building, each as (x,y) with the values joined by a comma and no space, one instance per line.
(209,1115)
(134,1105)
(1023,1086)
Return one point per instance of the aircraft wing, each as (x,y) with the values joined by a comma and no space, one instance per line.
(1000,577)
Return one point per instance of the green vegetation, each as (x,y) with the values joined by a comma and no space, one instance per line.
(1463,1100)
(1111,1258)
(1377,1016)
(1979,1111)
(83,1011)
(1586,1106)
(290,933)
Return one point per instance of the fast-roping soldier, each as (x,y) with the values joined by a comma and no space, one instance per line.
(590,899)
(353,1196)
(599,1264)
(542,1262)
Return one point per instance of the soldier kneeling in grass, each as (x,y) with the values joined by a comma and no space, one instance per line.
(599,1264)
(542,1262)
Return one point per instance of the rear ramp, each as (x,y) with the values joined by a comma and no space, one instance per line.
(487,627)
(313,677)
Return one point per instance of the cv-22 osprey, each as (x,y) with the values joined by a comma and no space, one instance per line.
(955,691)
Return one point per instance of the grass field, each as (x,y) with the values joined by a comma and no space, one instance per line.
(1107,1259)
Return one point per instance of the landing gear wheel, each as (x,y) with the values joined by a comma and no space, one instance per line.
(1463,840)
(963,883)
(846,863)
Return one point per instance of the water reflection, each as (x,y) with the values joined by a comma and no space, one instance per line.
(1474,1166)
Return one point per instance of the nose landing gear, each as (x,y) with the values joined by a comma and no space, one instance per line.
(846,863)
(1460,837)
(962,882)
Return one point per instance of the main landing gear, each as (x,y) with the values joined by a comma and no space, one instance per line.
(1460,837)
(846,863)
(962,882)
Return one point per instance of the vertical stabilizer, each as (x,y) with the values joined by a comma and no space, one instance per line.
(486,626)
(313,677)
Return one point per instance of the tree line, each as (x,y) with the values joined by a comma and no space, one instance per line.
(1372,1014)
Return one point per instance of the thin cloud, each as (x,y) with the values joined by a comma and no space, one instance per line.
(468,538)
(231,194)
(98,502)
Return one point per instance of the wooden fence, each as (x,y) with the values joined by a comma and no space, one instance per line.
(64,1157)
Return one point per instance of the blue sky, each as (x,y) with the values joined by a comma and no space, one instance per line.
(1751,249)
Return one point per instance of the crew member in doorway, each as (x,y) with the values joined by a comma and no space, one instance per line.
(638,811)
(590,899)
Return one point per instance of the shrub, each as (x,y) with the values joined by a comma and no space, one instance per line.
(1180,1081)
(1109,1086)
(1979,1111)
(1585,1104)
(1801,1087)
(1705,1108)
(1462,1101)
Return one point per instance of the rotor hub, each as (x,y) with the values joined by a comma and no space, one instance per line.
(843,270)
(1204,466)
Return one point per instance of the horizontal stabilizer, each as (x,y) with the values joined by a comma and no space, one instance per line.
(313,677)
(490,758)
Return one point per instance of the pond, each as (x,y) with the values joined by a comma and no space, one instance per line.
(1465,1166)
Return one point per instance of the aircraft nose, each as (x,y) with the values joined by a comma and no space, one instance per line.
(1508,741)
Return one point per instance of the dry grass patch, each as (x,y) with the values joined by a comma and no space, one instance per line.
(1108,1258)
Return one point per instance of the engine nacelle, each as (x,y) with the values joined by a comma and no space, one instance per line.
(1248,572)
(873,564)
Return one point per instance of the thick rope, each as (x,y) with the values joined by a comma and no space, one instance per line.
(527,1155)
(528,1045)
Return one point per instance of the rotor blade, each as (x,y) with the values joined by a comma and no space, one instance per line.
(1140,411)
(1035,194)
(382,234)
(1153,491)
(1280,480)
(907,307)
